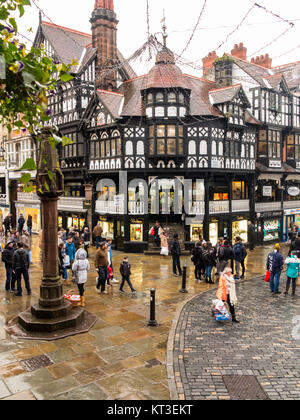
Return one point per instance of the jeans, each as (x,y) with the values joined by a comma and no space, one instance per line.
(274,286)
(10,278)
(103,275)
(198,271)
(208,270)
(176,264)
(30,256)
(237,269)
(129,284)
(19,272)
(29,230)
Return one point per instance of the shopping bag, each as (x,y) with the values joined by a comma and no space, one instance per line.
(268,276)
(298,281)
(164,251)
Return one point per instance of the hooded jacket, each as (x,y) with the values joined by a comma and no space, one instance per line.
(8,255)
(275,262)
(81,267)
(21,259)
(293,267)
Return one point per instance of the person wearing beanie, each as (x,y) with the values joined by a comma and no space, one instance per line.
(275,264)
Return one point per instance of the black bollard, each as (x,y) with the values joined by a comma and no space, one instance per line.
(152,322)
(183,287)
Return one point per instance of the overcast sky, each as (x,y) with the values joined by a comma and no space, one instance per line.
(219,19)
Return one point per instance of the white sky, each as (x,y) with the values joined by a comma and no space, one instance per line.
(257,31)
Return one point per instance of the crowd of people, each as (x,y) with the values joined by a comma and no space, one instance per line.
(224,262)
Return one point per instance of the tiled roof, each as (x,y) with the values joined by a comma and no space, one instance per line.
(111,100)
(70,44)
(256,72)
(291,73)
(223,95)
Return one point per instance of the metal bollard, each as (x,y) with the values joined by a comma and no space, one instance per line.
(152,322)
(183,287)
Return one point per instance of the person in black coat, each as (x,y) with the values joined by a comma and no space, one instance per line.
(251,235)
(7,258)
(125,270)
(198,261)
(295,246)
(176,253)
(21,265)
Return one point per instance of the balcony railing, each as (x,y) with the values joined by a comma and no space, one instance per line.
(198,207)
(109,207)
(28,197)
(291,205)
(136,208)
(71,203)
(240,205)
(218,207)
(266,207)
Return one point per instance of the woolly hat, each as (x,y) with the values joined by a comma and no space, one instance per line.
(277,247)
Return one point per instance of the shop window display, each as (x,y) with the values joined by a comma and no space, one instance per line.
(213,233)
(271,230)
(136,232)
(240,228)
(107,230)
(196,231)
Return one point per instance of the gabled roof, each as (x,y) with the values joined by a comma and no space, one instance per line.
(277,81)
(256,72)
(228,94)
(291,73)
(112,101)
(70,44)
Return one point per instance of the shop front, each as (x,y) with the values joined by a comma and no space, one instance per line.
(270,226)
(291,220)
(68,219)
(136,234)
(34,211)
(240,229)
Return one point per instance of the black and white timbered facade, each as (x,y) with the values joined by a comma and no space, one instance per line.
(202,155)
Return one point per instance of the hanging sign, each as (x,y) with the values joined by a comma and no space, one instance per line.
(293,191)
(267,191)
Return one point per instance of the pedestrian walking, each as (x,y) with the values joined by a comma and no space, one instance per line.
(63,262)
(244,256)
(97,232)
(101,265)
(227,291)
(198,261)
(70,251)
(293,271)
(21,265)
(26,241)
(2,239)
(176,253)
(81,268)
(209,259)
(110,261)
(125,270)
(7,258)
(275,264)
(7,223)
(251,235)
(86,236)
(164,243)
(225,255)
(29,224)
(156,231)
(238,257)
(295,245)
(21,223)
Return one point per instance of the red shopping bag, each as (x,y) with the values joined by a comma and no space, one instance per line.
(268,276)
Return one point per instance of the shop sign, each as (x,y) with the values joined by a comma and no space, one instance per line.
(293,191)
(267,191)
(87,205)
(136,221)
(291,212)
(271,214)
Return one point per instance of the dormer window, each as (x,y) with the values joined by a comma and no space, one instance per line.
(172,98)
(150,98)
(165,104)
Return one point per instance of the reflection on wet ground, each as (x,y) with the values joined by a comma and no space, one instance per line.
(120,357)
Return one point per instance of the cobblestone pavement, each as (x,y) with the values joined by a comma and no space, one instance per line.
(208,354)
(120,357)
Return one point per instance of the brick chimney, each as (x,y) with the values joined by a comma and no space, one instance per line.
(239,51)
(208,61)
(263,60)
(104,38)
